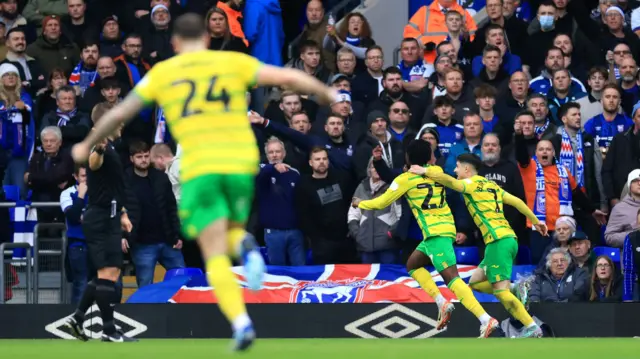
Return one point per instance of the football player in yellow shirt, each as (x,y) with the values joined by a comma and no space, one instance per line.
(484,200)
(427,201)
(203,95)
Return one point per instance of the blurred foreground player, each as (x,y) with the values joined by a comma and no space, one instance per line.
(484,200)
(202,93)
(102,225)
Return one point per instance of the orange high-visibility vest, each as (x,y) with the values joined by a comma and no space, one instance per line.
(428,25)
(234,24)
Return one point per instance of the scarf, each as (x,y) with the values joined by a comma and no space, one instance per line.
(65,117)
(13,130)
(83,78)
(564,193)
(375,187)
(355,41)
(540,130)
(573,161)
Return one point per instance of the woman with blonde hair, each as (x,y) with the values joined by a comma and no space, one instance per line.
(18,129)
(222,39)
(606,283)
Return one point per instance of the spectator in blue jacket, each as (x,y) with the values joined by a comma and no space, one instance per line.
(275,188)
(553,62)
(561,93)
(449,130)
(73,201)
(339,148)
(494,35)
(17,137)
(471,143)
(263,29)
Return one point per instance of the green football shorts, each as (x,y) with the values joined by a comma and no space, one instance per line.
(440,250)
(211,197)
(498,259)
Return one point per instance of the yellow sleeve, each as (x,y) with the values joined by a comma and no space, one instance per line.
(436,174)
(398,187)
(248,67)
(522,207)
(146,90)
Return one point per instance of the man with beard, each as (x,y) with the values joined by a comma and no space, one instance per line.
(111,37)
(550,189)
(378,135)
(31,74)
(85,75)
(491,72)
(52,49)
(590,105)
(93,95)
(394,91)
(554,61)
(316,29)
(157,39)
(509,103)
(435,87)
(130,67)
(275,188)
(322,203)
(611,122)
(629,84)
(462,97)
(507,176)
(581,155)
(339,148)
(156,238)
(561,93)
(76,26)
(10,16)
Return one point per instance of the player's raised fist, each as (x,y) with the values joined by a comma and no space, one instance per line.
(418,170)
(80,152)
(377,153)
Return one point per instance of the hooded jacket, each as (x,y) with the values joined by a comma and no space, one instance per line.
(263,29)
(622,221)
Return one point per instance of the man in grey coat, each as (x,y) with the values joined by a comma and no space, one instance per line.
(561,281)
(372,228)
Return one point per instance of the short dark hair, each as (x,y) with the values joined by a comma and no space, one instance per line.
(441,101)
(410,39)
(564,109)
(88,42)
(334,115)
(524,113)
(548,3)
(553,48)
(491,48)
(371,48)
(78,166)
(132,35)
(189,26)
(485,90)
(391,70)
(470,159)
(138,147)
(537,95)
(110,82)
(493,27)
(419,152)
(443,43)
(561,70)
(316,149)
(65,88)
(598,70)
(613,86)
(308,44)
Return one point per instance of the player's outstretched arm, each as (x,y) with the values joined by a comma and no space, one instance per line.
(397,188)
(440,177)
(522,207)
(296,80)
(113,119)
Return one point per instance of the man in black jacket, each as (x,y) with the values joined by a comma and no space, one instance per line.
(157,229)
(366,86)
(75,125)
(462,96)
(622,157)
(377,135)
(322,201)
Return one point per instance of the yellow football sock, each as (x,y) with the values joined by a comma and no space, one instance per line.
(227,290)
(465,295)
(234,238)
(423,277)
(514,306)
(483,287)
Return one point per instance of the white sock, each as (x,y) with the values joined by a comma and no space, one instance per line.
(241,322)
(440,300)
(484,318)
(532,325)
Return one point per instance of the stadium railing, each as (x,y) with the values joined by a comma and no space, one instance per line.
(11,270)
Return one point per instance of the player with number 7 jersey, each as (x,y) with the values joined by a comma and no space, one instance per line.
(426,198)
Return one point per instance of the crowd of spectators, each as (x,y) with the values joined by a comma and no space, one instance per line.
(546,93)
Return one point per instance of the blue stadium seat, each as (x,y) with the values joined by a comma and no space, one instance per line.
(309,258)
(613,253)
(11,193)
(467,255)
(265,255)
(524,255)
(189,272)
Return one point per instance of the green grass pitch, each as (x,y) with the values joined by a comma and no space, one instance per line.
(328,349)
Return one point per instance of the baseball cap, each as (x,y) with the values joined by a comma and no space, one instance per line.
(578,236)
(337,77)
(633,175)
(109,18)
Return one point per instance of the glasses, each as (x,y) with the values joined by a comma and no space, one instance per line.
(622,52)
(404,111)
